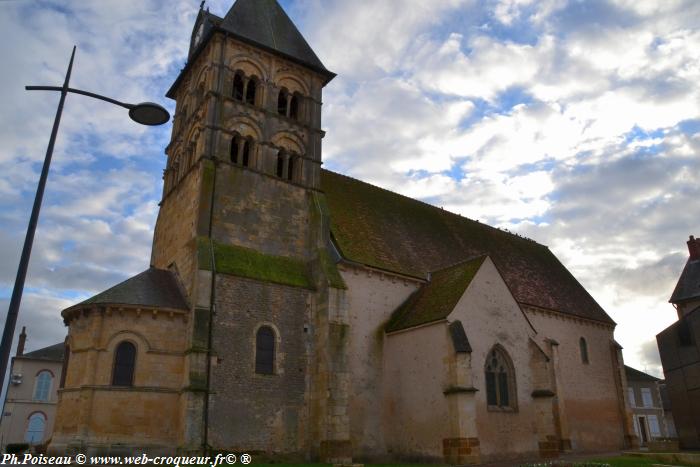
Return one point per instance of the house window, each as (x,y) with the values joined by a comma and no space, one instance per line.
(630,396)
(500,380)
(654,429)
(646,398)
(124,363)
(43,386)
(238,87)
(265,351)
(584,350)
(35,428)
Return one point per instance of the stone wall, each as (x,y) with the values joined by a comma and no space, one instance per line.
(587,393)
(255,412)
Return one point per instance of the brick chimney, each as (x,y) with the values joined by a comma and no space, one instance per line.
(694,248)
(22,340)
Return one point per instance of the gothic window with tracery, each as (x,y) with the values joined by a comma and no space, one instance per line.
(500,380)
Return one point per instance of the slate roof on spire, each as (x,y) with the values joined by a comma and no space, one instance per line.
(265,23)
(688,286)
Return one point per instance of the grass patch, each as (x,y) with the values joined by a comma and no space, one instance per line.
(632,461)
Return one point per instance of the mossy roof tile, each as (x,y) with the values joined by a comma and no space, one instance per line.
(388,231)
(436,299)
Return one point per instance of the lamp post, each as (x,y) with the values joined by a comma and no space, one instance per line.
(145,113)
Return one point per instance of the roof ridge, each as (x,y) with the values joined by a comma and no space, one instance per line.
(459,216)
(459,263)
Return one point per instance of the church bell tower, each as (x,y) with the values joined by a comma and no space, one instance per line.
(244,226)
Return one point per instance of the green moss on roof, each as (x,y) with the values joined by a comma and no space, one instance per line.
(244,262)
(388,231)
(330,269)
(436,299)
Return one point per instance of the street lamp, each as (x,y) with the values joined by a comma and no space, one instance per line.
(145,113)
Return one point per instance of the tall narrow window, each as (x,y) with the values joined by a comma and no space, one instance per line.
(294,107)
(238,87)
(647,401)
(35,428)
(246,153)
(265,351)
(282,102)
(124,362)
(280,164)
(43,386)
(250,91)
(290,168)
(235,144)
(64,369)
(584,349)
(500,380)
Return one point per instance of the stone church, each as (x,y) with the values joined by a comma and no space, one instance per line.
(295,312)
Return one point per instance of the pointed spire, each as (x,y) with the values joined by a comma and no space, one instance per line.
(264,23)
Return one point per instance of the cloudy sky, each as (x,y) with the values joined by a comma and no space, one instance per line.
(575,123)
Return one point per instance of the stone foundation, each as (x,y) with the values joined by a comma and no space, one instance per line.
(459,451)
(336,452)
(549,449)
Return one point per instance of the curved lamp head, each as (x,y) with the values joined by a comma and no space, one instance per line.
(149,113)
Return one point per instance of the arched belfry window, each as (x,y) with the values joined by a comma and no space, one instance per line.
(251,90)
(238,86)
(290,168)
(280,164)
(500,380)
(294,107)
(583,345)
(282,102)
(265,351)
(124,363)
(245,152)
(235,147)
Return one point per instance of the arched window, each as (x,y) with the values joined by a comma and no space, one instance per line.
(290,168)
(251,90)
(280,164)
(43,386)
(246,152)
(294,107)
(282,102)
(235,145)
(583,345)
(124,362)
(35,428)
(238,87)
(265,351)
(500,380)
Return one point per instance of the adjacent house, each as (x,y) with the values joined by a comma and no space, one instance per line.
(645,400)
(679,347)
(30,405)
